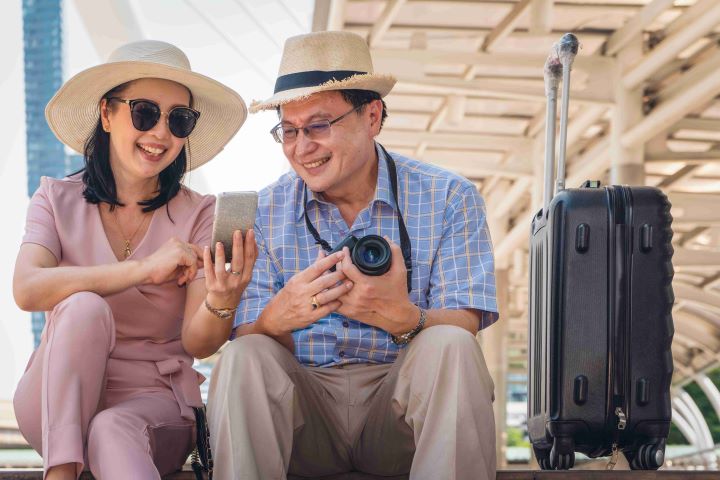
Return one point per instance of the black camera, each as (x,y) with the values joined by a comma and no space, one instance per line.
(371,254)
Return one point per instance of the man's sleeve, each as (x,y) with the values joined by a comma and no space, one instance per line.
(262,286)
(463,273)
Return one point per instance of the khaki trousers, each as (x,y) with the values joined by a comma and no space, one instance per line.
(428,414)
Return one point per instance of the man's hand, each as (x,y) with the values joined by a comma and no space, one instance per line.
(380,301)
(292,308)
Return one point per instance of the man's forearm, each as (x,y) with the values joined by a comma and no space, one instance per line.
(257,327)
(467,319)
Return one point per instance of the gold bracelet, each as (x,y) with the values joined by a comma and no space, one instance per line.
(221,313)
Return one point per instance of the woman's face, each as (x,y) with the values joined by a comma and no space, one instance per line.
(142,155)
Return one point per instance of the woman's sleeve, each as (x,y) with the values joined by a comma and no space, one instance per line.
(201,234)
(40,226)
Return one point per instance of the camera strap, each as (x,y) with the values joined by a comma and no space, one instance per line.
(405,245)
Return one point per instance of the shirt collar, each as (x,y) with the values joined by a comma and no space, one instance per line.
(383,189)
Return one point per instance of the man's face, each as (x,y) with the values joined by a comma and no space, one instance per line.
(332,161)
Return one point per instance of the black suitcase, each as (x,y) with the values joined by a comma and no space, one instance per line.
(600,323)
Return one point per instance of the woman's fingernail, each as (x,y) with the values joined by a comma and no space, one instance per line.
(348,284)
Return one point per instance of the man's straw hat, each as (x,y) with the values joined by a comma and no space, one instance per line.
(74,111)
(323,61)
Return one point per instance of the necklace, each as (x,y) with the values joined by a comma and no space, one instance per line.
(128,251)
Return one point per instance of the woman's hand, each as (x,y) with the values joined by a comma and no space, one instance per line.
(224,287)
(174,260)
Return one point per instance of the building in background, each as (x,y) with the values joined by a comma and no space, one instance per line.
(42,44)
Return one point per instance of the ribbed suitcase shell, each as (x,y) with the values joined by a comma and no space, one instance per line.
(601,325)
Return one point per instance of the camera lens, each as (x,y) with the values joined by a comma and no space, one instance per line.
(372,255)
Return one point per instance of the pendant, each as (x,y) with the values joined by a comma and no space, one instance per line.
(128,252)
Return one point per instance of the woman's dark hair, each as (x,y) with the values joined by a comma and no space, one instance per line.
(98,176)
(361,97)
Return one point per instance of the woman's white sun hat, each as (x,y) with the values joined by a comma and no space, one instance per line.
(323,61)
(74,110)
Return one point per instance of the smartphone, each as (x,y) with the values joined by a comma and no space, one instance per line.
(233,211)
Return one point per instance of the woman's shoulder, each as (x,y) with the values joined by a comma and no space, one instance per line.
(73,181)
(55,189)
(189,200)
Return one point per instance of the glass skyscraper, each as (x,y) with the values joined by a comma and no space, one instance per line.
(42,43)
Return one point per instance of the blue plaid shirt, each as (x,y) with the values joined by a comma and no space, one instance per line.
(452,255)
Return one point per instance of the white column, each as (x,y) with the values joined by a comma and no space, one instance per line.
(494,338)
(626,163)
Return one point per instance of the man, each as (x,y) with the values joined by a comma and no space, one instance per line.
(334,370)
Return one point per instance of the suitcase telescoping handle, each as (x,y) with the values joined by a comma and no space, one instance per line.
(558,64)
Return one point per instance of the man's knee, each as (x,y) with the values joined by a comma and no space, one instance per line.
(441,338)
(255,360)
(450,350)
(249,349)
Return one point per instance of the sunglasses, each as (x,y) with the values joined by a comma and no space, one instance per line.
(145,114)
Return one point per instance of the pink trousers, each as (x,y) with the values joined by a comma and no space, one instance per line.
(77,404)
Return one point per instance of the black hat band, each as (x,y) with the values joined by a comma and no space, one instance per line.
(311,78)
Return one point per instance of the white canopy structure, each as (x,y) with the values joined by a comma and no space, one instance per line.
(644,110)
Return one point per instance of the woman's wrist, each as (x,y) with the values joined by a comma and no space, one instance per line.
(222,301)
(136,271)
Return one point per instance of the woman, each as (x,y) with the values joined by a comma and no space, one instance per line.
(111,385)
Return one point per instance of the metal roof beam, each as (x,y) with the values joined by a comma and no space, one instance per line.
(709,124)
(541,13)
(636,25)
(328,15)
(690,293)
(510,198)
(690,257)
(383,23)
(711,156)
(506,25)
(494,89)
(669,48)
(695,208)
(470,141)
(477,168)
(694,91)
(592,65)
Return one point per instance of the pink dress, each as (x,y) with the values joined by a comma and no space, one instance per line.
(110,385)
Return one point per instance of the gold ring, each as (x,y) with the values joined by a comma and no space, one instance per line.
(314,302)
(235,273)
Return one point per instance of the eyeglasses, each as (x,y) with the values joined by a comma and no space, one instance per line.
(313,131)
(145,114)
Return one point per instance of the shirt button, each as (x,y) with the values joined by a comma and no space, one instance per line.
(346,324)
(342,353)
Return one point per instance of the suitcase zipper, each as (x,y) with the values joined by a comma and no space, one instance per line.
(621,224)
(622,420)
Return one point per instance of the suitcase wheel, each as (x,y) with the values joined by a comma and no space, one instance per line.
(650,456)
(543,458)
(562,454)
